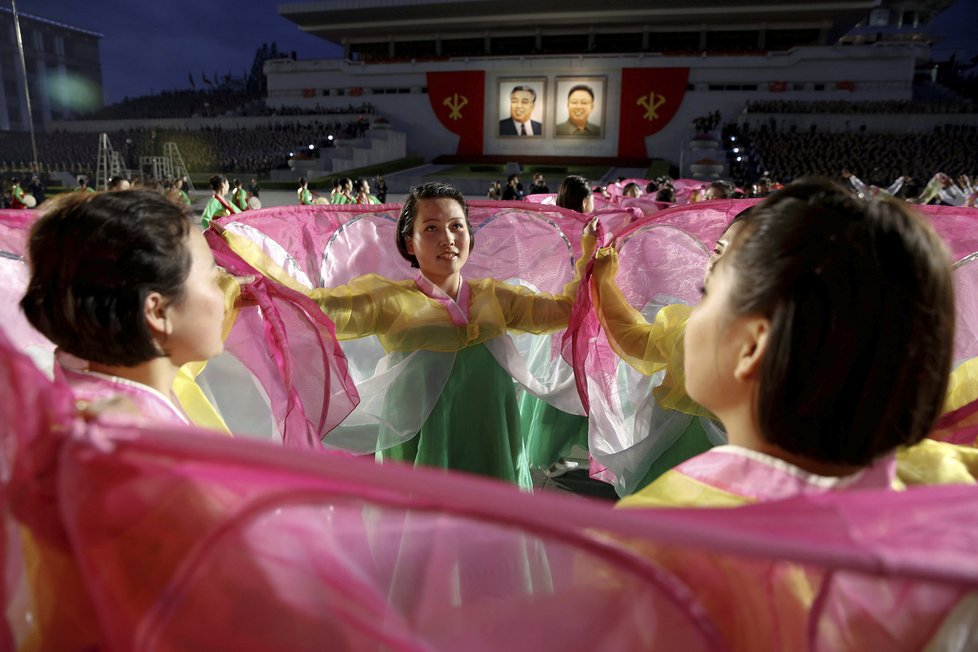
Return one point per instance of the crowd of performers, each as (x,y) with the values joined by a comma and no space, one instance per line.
(811,353)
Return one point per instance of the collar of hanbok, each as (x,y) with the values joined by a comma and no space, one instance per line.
(761,477)
(458,309)
(94,386)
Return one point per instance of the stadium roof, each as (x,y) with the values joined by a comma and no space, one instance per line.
(343,21)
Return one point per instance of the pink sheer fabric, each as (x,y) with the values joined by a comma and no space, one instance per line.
(14,227)
(188,542)
(517,242)
(662,260)
(282,344)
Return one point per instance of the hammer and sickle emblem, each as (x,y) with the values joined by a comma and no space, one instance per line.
(455,103)
(651,103)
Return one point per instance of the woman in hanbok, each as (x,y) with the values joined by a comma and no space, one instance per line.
(305,195)
(553,434)
(823,342)
(129,293)
(217,206)
(473,424)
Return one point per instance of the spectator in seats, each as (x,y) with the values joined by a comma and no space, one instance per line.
(380,189)
(217,206)
(522,101)
(575,193)
(632,190)
(514,189)
(239,196)
(118,183)
(495,191)
(580,105)
(539,185)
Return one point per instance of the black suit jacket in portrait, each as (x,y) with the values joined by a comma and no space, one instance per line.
(508,128)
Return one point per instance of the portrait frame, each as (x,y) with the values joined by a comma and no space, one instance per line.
(505,127)
(595,119)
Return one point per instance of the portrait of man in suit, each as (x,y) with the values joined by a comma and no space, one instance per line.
(522,105)
(581,116)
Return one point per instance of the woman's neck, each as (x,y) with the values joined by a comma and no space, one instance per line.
(743,430)
(158,373)
(449,285)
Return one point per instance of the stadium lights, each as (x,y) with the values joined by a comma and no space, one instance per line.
(733,138)
(736,149)
(291,154)
(739,159)
(311,146)
(330,137)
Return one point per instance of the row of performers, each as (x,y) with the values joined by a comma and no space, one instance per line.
(822,340)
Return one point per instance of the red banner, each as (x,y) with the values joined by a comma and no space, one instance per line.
(650,98)
(458,99)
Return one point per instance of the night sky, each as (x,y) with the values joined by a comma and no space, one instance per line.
(150,46)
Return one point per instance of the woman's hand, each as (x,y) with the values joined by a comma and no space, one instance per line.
(591,228)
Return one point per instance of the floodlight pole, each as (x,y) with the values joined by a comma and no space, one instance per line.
(27,91)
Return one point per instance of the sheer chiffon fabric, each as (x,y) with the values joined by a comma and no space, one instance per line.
(632,381)
(630,374)
(368,289)
(184,542)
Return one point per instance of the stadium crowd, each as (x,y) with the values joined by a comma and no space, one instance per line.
(212,149)
(842,106)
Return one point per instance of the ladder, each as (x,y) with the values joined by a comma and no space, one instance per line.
(172,152)
(103,166)
(158,167)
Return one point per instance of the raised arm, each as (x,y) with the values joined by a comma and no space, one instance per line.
(526,311)
(646,347)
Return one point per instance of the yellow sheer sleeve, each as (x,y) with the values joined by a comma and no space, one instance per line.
(529,312)
(405,319)
(647,348)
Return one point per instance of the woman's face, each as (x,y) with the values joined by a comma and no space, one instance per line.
(195,321)
(440,239)
(722,243)
(710,347)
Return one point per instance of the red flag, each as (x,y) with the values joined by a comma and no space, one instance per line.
(845,86)
(778,86)
(204,78)
(458,99)
(308,92)
(650,98)
(193,84)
